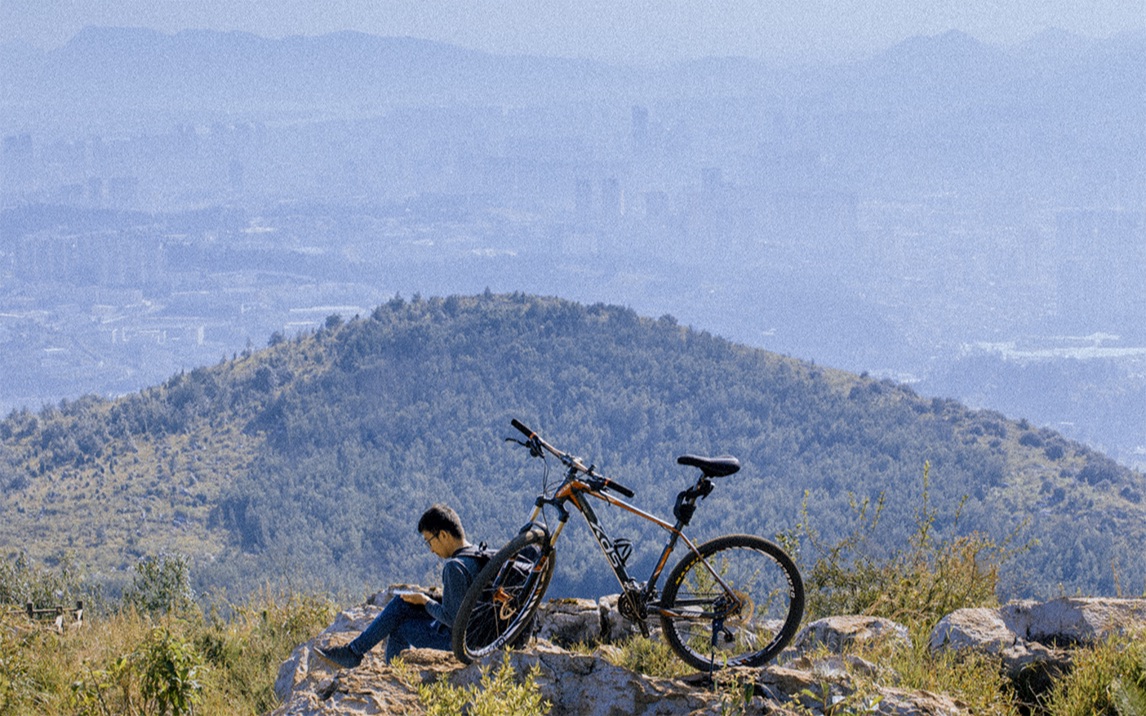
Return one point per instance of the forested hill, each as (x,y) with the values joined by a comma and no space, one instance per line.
(310,461)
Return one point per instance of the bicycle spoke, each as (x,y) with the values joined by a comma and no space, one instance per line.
(710,627)
(498,609)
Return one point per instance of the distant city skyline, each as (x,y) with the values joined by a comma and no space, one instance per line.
(610,30)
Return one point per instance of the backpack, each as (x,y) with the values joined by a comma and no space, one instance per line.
(477,555)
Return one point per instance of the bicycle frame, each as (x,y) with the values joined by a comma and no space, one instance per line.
(729,591)
(574,490)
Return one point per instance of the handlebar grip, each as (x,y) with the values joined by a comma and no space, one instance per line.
(525,431)
(619,488)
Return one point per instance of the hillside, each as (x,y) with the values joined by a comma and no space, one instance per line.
(309,461)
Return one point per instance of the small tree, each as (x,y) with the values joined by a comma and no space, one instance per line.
(161,585)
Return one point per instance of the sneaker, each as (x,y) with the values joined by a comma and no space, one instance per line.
(341,656)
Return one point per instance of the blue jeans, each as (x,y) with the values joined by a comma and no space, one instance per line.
(403,626)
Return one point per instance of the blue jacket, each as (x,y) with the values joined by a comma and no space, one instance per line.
(457,575)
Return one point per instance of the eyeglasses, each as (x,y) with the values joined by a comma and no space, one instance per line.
(430,541)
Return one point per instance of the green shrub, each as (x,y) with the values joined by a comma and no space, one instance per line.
(22,581)
(652,657)
(1108,678)
(168,668)
(154,653)
(916,585)
(18,685)
(498,694)
(161,585)
(160,676)
(245,651)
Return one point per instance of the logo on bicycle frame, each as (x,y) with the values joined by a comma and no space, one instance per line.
(606,545)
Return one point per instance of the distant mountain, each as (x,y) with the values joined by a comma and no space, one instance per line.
(105,67)
(308,462)
(200,69)
(935,72)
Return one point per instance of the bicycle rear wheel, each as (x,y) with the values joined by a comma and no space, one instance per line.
(709,627)
(498,608)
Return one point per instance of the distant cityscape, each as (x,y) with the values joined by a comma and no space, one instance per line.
(952,252)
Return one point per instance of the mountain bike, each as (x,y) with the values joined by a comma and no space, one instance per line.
(736,600)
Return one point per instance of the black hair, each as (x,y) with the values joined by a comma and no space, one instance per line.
(441,518)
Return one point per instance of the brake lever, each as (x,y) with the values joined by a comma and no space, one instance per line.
(534,446)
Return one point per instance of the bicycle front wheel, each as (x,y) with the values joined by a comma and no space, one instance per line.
(498,608)
(736,603)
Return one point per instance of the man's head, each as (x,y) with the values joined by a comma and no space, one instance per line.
(442,529)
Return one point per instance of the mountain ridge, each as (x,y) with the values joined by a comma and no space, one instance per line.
(307,462)
(196,69)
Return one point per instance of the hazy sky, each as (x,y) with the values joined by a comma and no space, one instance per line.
(607,29)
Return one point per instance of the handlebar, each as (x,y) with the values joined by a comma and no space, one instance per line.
(520,426)
(575,463)
(617,487)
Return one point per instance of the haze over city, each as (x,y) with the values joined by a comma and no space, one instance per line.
(948,195)
(626,31)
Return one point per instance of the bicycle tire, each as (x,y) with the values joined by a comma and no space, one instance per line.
(767,584)
(498,608)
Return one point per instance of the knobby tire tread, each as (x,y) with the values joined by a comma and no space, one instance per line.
(517,627)
(710,549)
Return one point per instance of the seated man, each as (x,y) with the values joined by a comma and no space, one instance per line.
(416,620)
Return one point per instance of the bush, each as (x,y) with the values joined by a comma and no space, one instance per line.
(245,650)
(917,585)
(22,581)
(651,657)
(153,653)
(160,676)
(499,694)
(161,585)
(1108,679)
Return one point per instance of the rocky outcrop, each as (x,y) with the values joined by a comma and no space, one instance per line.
(568,622)
(1034,639)
(1060,623)
(839,633)
(817,674)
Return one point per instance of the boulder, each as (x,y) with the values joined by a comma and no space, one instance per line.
(1065,621)
(1031,665)
(838,633)
(371,688)
(570,621)
(1029,638)
(1033,639)
(296,670)
(1074,620)
(588,685)
(567,622)
(825,686)
(980,629)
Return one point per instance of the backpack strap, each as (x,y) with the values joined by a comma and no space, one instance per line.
(480,555)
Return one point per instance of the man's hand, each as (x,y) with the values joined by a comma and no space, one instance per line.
(416,598)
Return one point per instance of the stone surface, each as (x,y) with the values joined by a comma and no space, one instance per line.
(570,621)
(588,683)
(838,633)
(1073,620)
(296,669)
(1020,629)
(981,629)
(1033,639)
(567,622)
(372,688)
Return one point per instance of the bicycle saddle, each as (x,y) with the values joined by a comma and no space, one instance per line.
(711,466)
